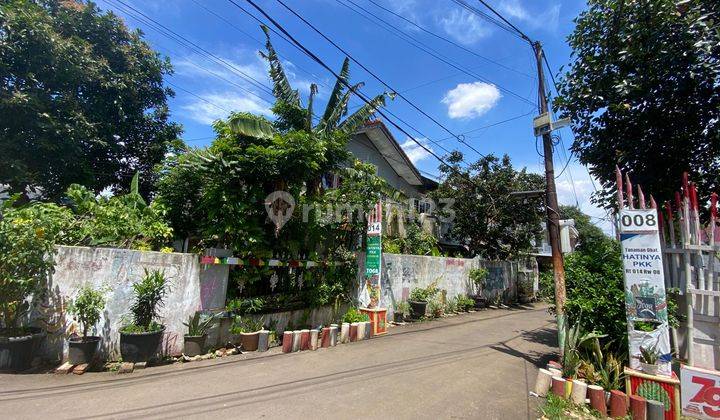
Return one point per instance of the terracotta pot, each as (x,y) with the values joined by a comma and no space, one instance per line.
(287,341)
(325,340)
(618,404)
(304,339)
(249,341)
(597,398)
(638,407)
(558,386)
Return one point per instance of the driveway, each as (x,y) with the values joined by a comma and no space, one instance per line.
(479,365)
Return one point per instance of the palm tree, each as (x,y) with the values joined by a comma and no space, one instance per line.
(290,112)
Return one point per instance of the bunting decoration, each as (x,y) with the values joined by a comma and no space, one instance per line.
(257,262)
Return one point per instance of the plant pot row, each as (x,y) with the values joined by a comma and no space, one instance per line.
(300,340)
(613,403)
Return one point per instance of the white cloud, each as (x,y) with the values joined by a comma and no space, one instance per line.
(216,106)
(414,152)
(547,19)
(464,26)
(471,100)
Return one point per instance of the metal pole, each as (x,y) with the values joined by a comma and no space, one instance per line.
(552,208)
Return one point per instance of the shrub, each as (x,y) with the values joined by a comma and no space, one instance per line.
(402,307)
(478,277)
(435,308)
(246,325)
(464,302)
(354,315)
(87,307)
(595,287)
(245,306)
(149,294)
(424,294)
(198,324)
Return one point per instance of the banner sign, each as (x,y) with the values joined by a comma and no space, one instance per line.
(700,392)
(370,290)
(645,299)
(373,256)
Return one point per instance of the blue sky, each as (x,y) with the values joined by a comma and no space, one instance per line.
(236,78)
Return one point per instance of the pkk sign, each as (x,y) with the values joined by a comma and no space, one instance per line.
(645,298)
(373,256)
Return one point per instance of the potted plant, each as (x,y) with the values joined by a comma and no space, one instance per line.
(402,308)
(198,325)
(140,339)
(478,276)
(247,331)
(419,298)
(86,309)
(649,359)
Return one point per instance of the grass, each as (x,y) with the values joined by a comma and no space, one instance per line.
(556,408)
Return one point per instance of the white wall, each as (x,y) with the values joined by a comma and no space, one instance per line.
(114,271)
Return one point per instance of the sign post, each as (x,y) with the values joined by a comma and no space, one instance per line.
(372,292)
(645,298)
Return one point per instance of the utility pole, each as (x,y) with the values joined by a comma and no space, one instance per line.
(551,202)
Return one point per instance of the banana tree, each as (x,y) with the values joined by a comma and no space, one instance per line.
(291,115)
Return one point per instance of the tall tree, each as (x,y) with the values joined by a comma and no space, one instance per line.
(643,92)
(488,220)
(81,99)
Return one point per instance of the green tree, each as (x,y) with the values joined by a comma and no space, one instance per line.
(642,92)
(218,193)
(81,99)
(492,223)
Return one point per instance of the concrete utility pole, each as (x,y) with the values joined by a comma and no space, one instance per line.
(551,203)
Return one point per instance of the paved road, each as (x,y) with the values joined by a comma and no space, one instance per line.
(479,365)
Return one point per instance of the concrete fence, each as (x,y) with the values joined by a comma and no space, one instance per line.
(114,271)
(195,287)
(510,281)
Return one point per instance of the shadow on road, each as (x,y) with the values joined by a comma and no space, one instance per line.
(546,336)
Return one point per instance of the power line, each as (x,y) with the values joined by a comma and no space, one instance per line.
(497,63)
(337,76)
(357,91)
(376,77)
(197,96)
(195,47)
(417,44)
(507,22)
(228,22)
(490,125)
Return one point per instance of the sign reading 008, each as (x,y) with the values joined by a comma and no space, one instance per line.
(645,220)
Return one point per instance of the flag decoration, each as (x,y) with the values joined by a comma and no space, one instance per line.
(258,262)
